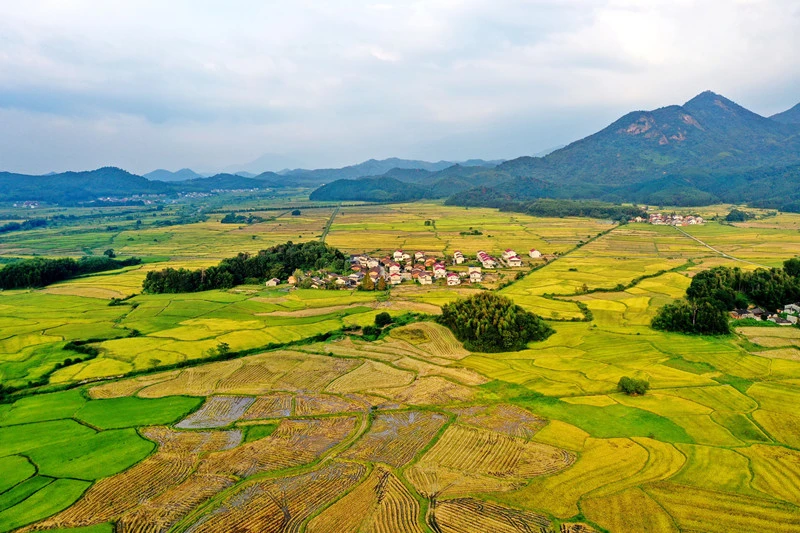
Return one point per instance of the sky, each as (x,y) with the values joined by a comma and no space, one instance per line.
(215,85)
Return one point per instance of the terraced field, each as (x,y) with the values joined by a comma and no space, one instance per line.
(409,433)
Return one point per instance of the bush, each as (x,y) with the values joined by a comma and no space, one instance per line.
(383,319)
(632,386)
(487,322)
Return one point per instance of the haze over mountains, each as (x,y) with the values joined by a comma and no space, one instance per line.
(707,150)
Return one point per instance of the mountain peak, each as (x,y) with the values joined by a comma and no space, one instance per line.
(790,116)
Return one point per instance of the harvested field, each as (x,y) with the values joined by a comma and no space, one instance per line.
(294,443)
(128,387)
(465,515)
(195,381)
(431,391)
(272,406)
(217,412)
(631,511)
(381,504)
(776,471)
(424,369)
(433,338)
(494,454)
(573,527)
(508,419)
(170,465)
(434,481)
(395,438)
(314,374)
(164,511)
(790,354)
(281,504)
(326,404)
(369,376)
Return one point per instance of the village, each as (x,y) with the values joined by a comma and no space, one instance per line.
(790,316)
(423,268)
(658,219)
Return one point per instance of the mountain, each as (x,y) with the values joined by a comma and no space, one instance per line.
(165,175)
(674,154)
(791,116)
(70,187)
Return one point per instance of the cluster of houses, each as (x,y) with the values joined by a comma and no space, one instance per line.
(790,315)
(670,220)
(423,268)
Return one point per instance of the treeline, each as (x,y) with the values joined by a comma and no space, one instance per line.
(549,207)
(23,226)
(40,272)
(715,292)
(277,262)
(233,218)
(487,322)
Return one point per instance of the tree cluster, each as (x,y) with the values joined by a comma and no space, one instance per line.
(487,322)
(277,262)
(716,291)
(23,226)
(40,272)
(633,386)
(737,215)
(233,218)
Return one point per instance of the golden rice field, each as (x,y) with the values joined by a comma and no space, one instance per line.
(409,433)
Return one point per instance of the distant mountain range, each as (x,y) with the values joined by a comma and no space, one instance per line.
(707,150)
(710,149)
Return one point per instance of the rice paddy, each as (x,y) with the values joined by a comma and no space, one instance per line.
(409,433)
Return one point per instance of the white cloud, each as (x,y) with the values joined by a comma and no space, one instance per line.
(206,84)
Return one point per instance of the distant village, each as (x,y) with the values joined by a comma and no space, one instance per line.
(659,219)
(789,317)
(421,267)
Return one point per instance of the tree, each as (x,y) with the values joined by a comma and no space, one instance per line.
(383,319)
(381,284)
(367,284)
(487,322)
(110,253)
(792,267)
(296,213)
(632,386)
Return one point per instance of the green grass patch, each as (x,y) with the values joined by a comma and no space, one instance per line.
(738,383)
(101,455)
(603,422)
(13,470)
(133,412)
(44,407)
(695,367)
(97,528)
(260,431)
(23,438)
(51,499)
(22,491)
(740,426)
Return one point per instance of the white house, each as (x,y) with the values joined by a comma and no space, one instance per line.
(395,279)
(486,260)
(418,256)
(373,263)
(514,261)
(439,271)
(425,278)
(535,254)
(791,308)
(394,268)
(453,279)
(458,258)
(274,282)
(475,275)
(398,255)
(509,253)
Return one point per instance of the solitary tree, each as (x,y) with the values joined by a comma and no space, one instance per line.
(383,319)
(296,213)
(381,284)
(110,253)
(367,284)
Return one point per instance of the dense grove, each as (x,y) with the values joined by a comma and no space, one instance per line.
(549,207)
(487,322)
(23,226)
(277,262)
(716,291)
(41,272)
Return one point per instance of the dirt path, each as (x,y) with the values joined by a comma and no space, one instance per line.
(723,254)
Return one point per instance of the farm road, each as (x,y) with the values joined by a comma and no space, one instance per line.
(723,254)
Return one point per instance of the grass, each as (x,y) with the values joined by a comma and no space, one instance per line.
(134,412)
(54,497)
(14,469)
(260,431)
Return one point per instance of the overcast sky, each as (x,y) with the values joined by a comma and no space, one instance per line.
(207,84)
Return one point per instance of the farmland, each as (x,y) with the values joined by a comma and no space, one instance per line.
(307,427)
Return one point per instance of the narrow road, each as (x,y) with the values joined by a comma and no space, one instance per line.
(723,254)
(330,223)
